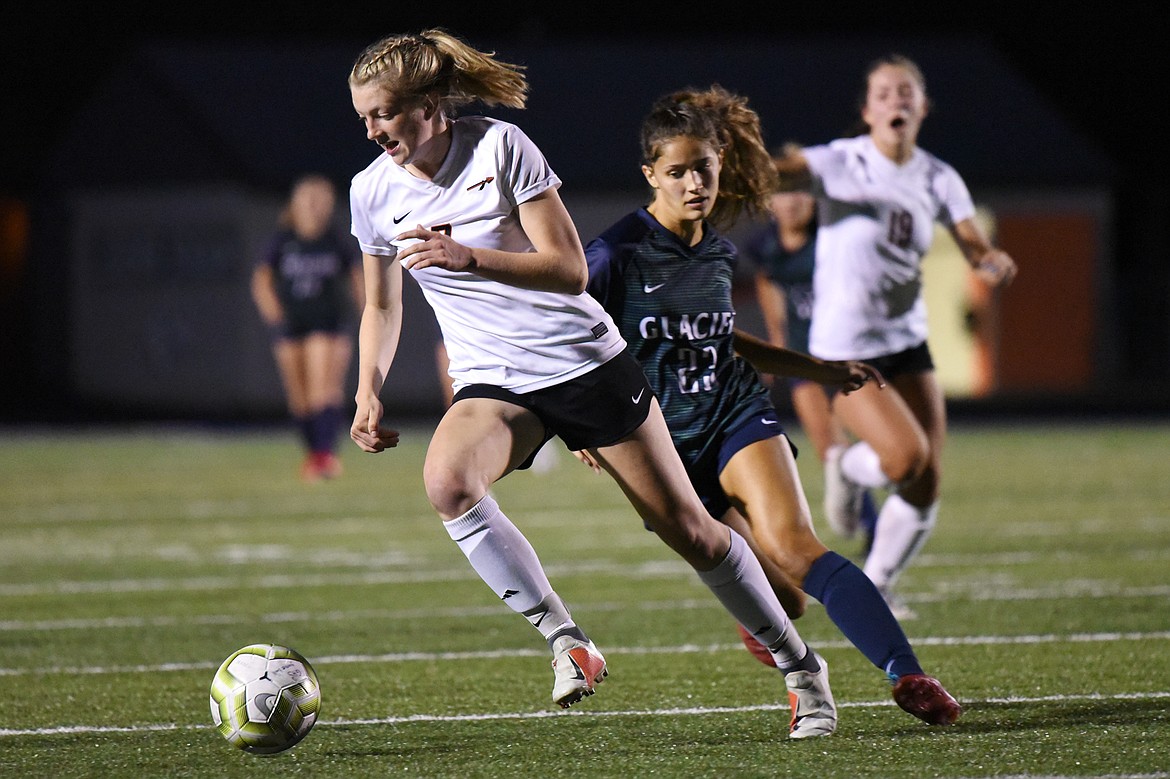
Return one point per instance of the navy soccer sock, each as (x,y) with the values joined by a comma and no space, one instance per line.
(305,429)
(321,433)
(856,607)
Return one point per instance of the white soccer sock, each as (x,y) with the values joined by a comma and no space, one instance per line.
(507,563)
(861,465)
(741,586)
(901,531)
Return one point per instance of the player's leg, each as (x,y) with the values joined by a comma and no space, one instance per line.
(478,441)
(815,415)
(847,505)
(892,447)
(290,364)
(762,481)
(908,517)
(326,359)
(649,471)
(788,592)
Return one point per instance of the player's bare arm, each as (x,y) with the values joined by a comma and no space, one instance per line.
(848,375)
(377,343)
(993,265)
(557,265)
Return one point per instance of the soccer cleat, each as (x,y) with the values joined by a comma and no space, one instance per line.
(309,472)
(843,497)
(758,650)
(578,667)
(328,465)
(814,713)
(925,698)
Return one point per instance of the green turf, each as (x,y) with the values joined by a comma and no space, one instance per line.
(132,562)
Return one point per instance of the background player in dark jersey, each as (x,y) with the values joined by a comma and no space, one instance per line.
(783,252)
(665,276)
(308,289)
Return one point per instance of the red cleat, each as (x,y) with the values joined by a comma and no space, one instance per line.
(328,465)
(758,650)
(925,698)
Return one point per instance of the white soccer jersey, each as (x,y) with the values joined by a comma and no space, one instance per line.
(518,339)
(876,221)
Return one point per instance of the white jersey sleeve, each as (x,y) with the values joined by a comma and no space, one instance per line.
(875,223)
(514,338)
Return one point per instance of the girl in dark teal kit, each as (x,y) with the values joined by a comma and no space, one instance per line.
(665,276)
(307,287)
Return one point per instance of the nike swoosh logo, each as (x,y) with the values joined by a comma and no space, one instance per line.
(638,398)
(399,219)
(580,674)
(648,288)
(768,421)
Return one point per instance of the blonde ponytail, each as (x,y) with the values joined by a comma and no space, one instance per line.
(435,61)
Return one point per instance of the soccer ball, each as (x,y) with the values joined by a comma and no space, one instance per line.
(265,698)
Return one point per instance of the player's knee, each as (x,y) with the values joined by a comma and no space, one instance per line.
(908,463)
(689,533)
(451,492)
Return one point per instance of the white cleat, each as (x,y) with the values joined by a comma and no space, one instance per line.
(578,668)
(814,712)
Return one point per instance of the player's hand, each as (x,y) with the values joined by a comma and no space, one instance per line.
(433,249)
(996,267)
(858,375)
(367,431)
(587,458)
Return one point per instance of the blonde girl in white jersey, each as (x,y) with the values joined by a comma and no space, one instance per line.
(878,196)
(470,208)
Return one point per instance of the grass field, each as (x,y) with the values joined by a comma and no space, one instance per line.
(132,562)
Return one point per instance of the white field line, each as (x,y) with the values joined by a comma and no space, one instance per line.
(651,569)
(496,654)
(1056,591)
(532,715)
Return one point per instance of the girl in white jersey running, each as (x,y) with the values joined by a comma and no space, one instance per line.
(878,198)
(470,207)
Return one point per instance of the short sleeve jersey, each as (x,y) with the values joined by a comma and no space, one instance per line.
(517,339)
(312,278)
(876,221)
(793,273)
(672,303)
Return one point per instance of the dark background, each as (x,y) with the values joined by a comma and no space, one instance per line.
(1104,64)
(1103,67)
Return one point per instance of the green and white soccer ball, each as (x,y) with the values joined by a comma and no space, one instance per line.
(265,698)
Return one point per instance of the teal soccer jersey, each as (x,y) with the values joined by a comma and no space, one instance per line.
(672,304)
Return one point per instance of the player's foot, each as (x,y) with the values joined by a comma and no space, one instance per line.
(758,650)
(842,496)
(898,607)
(925,698)
(328,465)
(309,472)
(814,713)
(577,667)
